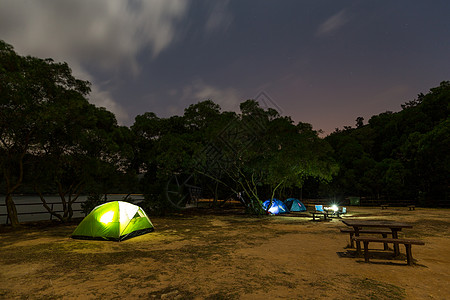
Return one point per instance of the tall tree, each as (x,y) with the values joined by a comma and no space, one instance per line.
(261,150)
(79,154)
(28,87)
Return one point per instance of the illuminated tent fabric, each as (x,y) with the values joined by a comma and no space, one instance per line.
(277,207)
(294,205)
(115,220)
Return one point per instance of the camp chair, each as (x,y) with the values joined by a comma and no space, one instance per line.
(319,208)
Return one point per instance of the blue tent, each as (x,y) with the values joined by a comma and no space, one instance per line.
(294,205)
(277,207)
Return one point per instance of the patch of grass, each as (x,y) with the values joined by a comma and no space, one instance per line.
(61,257)
(323,284)
(171,293)
(4,294)
(429,227)
(287,273)
(288,284)
(200,252)
(372,289)
(223,296)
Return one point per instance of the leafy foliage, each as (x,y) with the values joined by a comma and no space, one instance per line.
(400,155)
(51,138)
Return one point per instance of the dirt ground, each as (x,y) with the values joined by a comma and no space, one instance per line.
(227,256)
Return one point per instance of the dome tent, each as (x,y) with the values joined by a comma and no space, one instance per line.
(116,220)
(277,207)
(294,204)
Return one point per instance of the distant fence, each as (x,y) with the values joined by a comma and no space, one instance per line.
(378,202)
(51,204)
(362,201)
(30,208)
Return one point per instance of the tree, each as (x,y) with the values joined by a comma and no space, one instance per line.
(201,115)
(359,122)
(78,154)
(28,87)
(165,147)
(261,150)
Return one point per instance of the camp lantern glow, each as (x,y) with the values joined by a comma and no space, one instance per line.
(333,207)
(107,217)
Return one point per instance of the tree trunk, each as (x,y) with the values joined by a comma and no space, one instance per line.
(10,188)
(216,197)
(48,208)
(12,211)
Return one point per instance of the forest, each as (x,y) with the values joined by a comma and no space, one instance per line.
(53,141)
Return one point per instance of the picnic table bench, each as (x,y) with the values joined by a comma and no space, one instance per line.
(383,231)
(318,210)
(394,226)
(326,215)
(384,206)
(407,242)
(412,207)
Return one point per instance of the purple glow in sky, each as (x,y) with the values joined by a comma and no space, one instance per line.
(324,62)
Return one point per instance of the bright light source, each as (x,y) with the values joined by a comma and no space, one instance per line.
(107,217)
(334,207)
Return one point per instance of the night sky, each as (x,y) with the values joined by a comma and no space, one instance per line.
(325,62)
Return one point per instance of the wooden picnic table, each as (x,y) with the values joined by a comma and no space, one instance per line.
(325,214)
(393,225)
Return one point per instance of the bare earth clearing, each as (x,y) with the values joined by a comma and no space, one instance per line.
(227,256)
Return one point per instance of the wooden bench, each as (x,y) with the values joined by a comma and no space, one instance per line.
(383,231)
(384,206)
(325,214)
(407,242)
(412,207)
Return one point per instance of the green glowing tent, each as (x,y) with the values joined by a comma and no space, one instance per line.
(115,221)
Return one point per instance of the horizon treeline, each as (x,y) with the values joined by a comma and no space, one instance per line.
(54,141)
(403,155)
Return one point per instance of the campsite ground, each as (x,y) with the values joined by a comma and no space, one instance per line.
(226,256)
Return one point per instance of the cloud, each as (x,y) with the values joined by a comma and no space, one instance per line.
(106,33)
(228,98)
(103,98)
(219,18)
(101,35)
(333,23)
